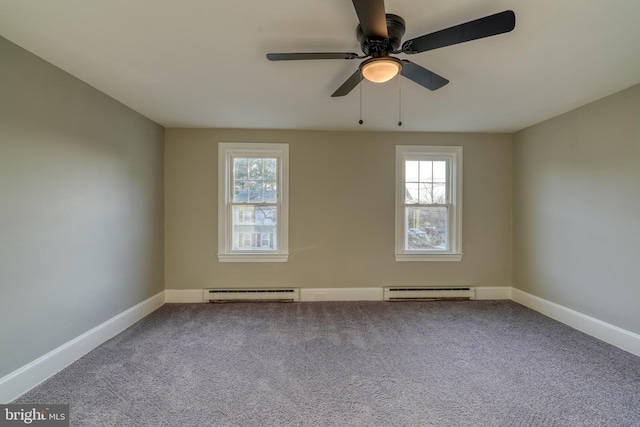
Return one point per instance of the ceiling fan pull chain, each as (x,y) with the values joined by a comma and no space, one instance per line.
(399,100)
(360,121)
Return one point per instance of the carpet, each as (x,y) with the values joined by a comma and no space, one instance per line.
(438,363)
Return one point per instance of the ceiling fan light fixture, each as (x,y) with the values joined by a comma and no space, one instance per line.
(381,69)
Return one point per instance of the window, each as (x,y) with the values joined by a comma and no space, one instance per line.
(428,203)
(253,202)
(245,240)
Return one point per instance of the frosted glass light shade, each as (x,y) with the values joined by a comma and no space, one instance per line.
(380,70)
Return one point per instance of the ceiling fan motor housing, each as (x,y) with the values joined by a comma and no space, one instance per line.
(374,46)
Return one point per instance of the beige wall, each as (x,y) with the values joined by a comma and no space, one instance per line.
(577,209)
(341,211)
(81,207)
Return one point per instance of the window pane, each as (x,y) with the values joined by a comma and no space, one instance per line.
(257,234)
(440,193)
(426,171)
(440,171)
(426,181)
(270,169)
(255,191)
(426,228)
(255,168)
(255,180)
(426,193)
(411,171)
(240,168)
(240,191)
(411,193)
(270,194)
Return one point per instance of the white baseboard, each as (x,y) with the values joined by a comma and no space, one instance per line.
(335,294)
(493,292)
(376,294)
(30,375)
(306,294)
(183,295)
(606,332)
(341,294)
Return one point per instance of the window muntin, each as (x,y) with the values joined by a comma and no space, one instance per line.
(427,205)
(429,200)
(253,202)
(254,206)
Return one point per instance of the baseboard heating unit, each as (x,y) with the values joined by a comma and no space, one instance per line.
(247,295)
(398,293)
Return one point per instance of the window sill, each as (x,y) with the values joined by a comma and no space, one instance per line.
(404,257)
(253,257)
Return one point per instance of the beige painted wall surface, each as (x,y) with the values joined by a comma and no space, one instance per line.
(577,209)
(341,211)
(81,207)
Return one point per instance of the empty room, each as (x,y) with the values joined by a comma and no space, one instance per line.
(336,213)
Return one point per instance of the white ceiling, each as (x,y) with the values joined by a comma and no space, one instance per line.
(197,63)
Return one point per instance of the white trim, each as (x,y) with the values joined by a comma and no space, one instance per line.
(225,151)
(604,331)
(453,154)
(30,375)
(341,294)
(429,257)
(493,292)
(183,296)
(306,294)
(335,294)
(253,257)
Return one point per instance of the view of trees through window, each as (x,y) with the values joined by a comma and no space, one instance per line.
(254,206)
(426,204)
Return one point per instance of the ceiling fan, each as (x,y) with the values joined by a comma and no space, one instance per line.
(379,35)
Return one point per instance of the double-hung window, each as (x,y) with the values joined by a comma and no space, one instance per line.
(253,202)
(428,203)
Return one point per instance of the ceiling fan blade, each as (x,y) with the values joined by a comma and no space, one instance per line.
(373,19)
(348,86)
(422,76)
(312,55)
(491,25)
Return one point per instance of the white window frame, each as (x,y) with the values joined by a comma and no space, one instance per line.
(453,154)
(226,152)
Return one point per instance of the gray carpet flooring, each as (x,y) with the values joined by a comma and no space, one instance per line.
(440,363)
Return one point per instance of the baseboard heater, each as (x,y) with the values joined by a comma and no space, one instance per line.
(428,293)
(246,295)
